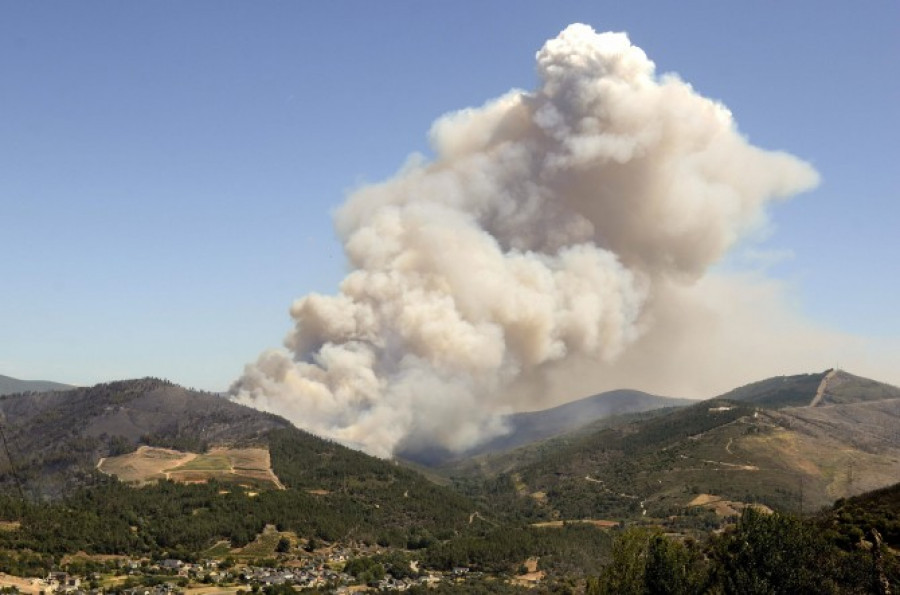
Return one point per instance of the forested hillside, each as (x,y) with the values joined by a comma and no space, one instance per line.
(55,439)
(699,465)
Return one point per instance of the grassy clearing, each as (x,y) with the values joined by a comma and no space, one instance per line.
(207,462)
(248,458)
(220,550)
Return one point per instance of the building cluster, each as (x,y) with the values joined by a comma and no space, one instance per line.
(173,576)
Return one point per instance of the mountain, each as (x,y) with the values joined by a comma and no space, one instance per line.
(9,385)
(151,428)
(232,471)
(225,480)
(55,439)
(539,425)
(706,461)
(534,426)
(778,392)
(832,387)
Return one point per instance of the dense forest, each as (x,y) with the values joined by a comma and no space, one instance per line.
(762,553)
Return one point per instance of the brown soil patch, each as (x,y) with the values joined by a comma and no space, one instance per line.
(703,499)
(144,465)
(251,466)
(532,575)
(724,507)
(24,585)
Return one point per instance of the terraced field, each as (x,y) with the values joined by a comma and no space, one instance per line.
(250,467)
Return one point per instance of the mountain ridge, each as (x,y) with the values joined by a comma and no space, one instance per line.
(750,446)
(10,385)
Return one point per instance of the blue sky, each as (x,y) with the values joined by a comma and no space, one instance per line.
(168,169)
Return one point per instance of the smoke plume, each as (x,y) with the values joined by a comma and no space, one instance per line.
(553,231)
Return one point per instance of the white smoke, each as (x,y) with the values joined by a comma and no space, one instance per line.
(548,235)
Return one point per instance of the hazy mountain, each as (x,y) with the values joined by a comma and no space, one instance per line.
(9,385)
(535,426)
(540,425)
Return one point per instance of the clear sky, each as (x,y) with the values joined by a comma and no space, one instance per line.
(168,169)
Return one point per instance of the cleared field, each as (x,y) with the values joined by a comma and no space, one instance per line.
(242,466)
(599,523)
(23,585)
(146,464)
(723,507)
(207,462)
(247,458)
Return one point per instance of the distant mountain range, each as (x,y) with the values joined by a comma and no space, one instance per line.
(9,385)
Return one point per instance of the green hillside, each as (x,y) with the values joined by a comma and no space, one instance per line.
(777,392)
(701,465)
(332,492)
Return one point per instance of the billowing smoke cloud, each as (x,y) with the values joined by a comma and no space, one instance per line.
(550,233)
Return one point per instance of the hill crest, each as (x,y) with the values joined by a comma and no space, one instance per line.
(10,385)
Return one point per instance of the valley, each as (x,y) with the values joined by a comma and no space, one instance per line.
(146,471)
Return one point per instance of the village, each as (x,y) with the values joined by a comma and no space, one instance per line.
(340,570)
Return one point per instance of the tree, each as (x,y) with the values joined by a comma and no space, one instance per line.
(645,561)
(673,567)
(773,554)
(284,545)
(625,574)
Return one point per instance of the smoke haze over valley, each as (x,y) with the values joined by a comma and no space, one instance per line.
(561,241)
